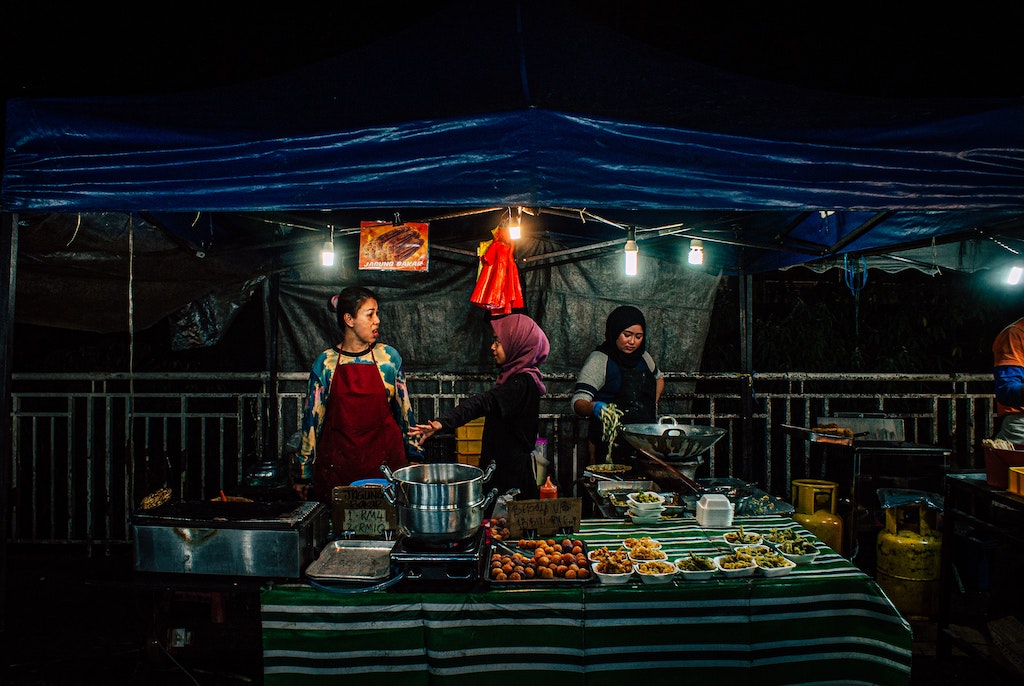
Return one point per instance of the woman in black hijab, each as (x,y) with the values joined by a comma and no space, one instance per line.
(621,372)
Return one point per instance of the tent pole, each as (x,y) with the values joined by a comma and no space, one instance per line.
(9,262)
(746,364)
(271,302)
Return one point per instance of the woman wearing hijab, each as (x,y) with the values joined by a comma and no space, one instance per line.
(619,371)
(357,413)
(510,409)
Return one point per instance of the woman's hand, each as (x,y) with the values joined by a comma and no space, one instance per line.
(302,490)
(421,432)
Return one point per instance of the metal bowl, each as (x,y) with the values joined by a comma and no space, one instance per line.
(671,441)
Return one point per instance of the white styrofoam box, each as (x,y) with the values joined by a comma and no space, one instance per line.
(714,509)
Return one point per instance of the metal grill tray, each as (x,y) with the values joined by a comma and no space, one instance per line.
(352,560)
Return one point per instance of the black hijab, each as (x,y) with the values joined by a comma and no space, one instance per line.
(619,320)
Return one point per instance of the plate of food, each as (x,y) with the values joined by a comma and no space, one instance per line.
(772,564)
(655,571)
(696,567)
(736,565)
(742,538)
(646,501)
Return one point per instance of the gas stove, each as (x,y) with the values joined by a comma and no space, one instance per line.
(439,567)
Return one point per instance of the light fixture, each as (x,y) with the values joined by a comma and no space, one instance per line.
(631,251)
(696,255)
(1013,278)
(327,254)
(514,224)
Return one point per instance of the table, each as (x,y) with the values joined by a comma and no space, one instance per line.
(824,622)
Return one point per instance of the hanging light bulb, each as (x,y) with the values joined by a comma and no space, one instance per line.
(696,255)
(1016,272)
(514,224)
(631,252)
(327,254)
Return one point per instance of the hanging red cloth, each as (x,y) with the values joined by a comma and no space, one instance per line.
(497,287)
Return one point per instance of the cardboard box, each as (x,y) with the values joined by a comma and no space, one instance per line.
(998,463)
(362,510)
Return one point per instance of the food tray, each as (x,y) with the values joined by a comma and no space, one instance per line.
(510,547)
(352,560)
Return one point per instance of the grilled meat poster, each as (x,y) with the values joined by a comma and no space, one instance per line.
(385,246)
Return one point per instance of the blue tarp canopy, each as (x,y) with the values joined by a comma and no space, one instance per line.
(490,106)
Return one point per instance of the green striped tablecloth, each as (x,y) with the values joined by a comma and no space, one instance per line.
(826,622)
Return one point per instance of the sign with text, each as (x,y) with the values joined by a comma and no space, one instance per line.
(384,246)
(546,517)
(362,510)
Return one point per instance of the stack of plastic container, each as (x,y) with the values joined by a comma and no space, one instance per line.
(714,510)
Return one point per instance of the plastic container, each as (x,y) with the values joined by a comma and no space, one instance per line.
(467,441)
(714,510)
(998,463)
(540,460)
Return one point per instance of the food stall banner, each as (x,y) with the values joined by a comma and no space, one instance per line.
(385,246)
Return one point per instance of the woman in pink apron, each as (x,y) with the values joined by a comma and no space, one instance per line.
(357,414)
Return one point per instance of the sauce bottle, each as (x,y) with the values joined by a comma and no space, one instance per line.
(548,490)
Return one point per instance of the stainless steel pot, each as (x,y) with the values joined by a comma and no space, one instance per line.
(444,484)
(440,525)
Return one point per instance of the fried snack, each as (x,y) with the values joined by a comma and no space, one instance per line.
(833,430)
(695,563)
(155,499)
(656,567)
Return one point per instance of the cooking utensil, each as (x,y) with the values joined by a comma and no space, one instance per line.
(822,436)
(444,484)
(440,525)
(670,440)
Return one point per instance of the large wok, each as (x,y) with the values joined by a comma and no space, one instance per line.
(671,441)
(675,446)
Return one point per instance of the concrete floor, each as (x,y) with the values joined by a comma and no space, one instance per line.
(73,620)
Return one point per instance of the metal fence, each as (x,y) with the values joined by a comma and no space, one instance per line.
(87,448)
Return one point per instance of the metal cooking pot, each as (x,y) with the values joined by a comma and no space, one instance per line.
(444,484)
(440,525)
(670,440)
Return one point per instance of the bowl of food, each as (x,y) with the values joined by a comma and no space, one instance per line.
(751,550)
(801,551)
(645,541)
(646,501)
(655,571)
(643,553)
(773,564)
(644,517)
(736,565)
(604,553)
(696,567)
(613,571)
(740,538)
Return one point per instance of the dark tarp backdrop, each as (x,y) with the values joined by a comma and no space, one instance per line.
(198,197)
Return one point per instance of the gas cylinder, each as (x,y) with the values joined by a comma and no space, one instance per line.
(815,503)
(910,561)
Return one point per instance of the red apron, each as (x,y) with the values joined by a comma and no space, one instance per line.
(359,432)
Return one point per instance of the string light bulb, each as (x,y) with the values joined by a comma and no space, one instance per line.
(631,251)
(514,229)
(327,254)
(696,255)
